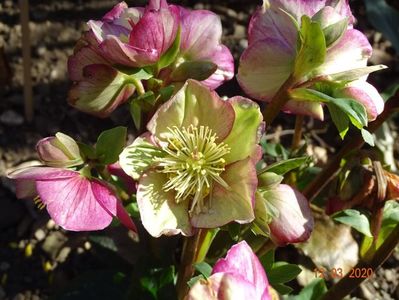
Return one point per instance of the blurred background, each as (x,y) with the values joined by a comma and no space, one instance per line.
(37,260)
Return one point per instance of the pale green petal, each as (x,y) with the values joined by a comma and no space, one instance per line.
(246,131)
(136,158)
(159,212)
(233,204)
(194,104)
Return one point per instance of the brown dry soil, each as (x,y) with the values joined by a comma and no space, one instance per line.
(36,257)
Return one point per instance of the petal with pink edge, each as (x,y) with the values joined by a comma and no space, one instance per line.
(351,52)
(264,66)
(233,204)
(223,286)
(294,222)
(156,30)
(366,94)
(80,59)
(307,108)
(241,260)
(159,212)
(197,105)
(224,60)
(72,203)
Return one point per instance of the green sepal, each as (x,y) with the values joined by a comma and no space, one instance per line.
(198,70)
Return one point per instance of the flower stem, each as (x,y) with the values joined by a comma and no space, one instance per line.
(332,168)
(296,139)
(278,101)
(266,247)
(348,284)
(193,252)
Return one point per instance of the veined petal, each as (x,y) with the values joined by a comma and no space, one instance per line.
(159,212)
(294,222)
(223,286)
(246,123)
(197,105)
(240,260)
(72,203)
(307,108)
(224,60)
(233,204)
(156,30)
(366,94)
(41,173)
(264,66)
(201,32)
(157,4)
(351,52)
(127,55)
(101,91)
(115,12)
(85,56)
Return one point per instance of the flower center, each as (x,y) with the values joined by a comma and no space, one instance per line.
(193,162)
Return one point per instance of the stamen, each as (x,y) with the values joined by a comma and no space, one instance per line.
(193,161)
(39,203)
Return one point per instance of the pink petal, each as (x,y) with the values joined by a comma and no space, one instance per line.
(116,169)
(41,173)
(223,286)
(115,12)
(156,30)
(307,108)
(367,95)
(294,223)
(223,58)
(126,54)
(240,260)
(157,4)
(80,59)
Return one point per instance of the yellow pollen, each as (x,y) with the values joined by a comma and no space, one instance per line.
(193,162)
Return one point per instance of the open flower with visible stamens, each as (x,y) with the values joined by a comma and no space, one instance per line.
(196,165)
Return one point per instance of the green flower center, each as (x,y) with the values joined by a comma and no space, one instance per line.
(193,161)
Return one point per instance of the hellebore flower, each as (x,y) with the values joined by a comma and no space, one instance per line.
(193,167)
(273,37)
(238,276)
(200,49)
(74,200)
(291,218)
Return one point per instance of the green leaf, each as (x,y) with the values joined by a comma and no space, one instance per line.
(355,219)
(133,210)
(171,54)
(353,109)
(340,119)
(282,288)
(267,260)
(110,144)
(367,137)
(312,51)
(135,112)
(354,74)
(165,93)
(304,94)
(313,291)
(275,150)
(141,74)
(269,180)
(87,151)
(283,272)
(334,32)
(194,280)
(204,269)
(283,167)
(198,70)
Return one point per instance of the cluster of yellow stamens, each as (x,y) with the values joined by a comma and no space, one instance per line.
(39,202)
(193,162)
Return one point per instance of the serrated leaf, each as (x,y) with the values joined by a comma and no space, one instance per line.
(313,291)
(285,166)
(204,269)
(367,137)
(355,219)
(353,109)
(110,144)
(312,51)
(283,272)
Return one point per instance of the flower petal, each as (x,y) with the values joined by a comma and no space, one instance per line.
(294,223)
(223,286)
(307,108)
(233,204)
(241,260)
(246,123)
(101,91)
(351,52)
(159,212)
(264,66)
(80,59)
(194,104)
(366,94)
(156,30)
(72,203)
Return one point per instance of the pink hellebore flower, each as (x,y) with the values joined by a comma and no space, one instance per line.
(193,167)
(74,200)
(273,36)
(292,221)
(238,276)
